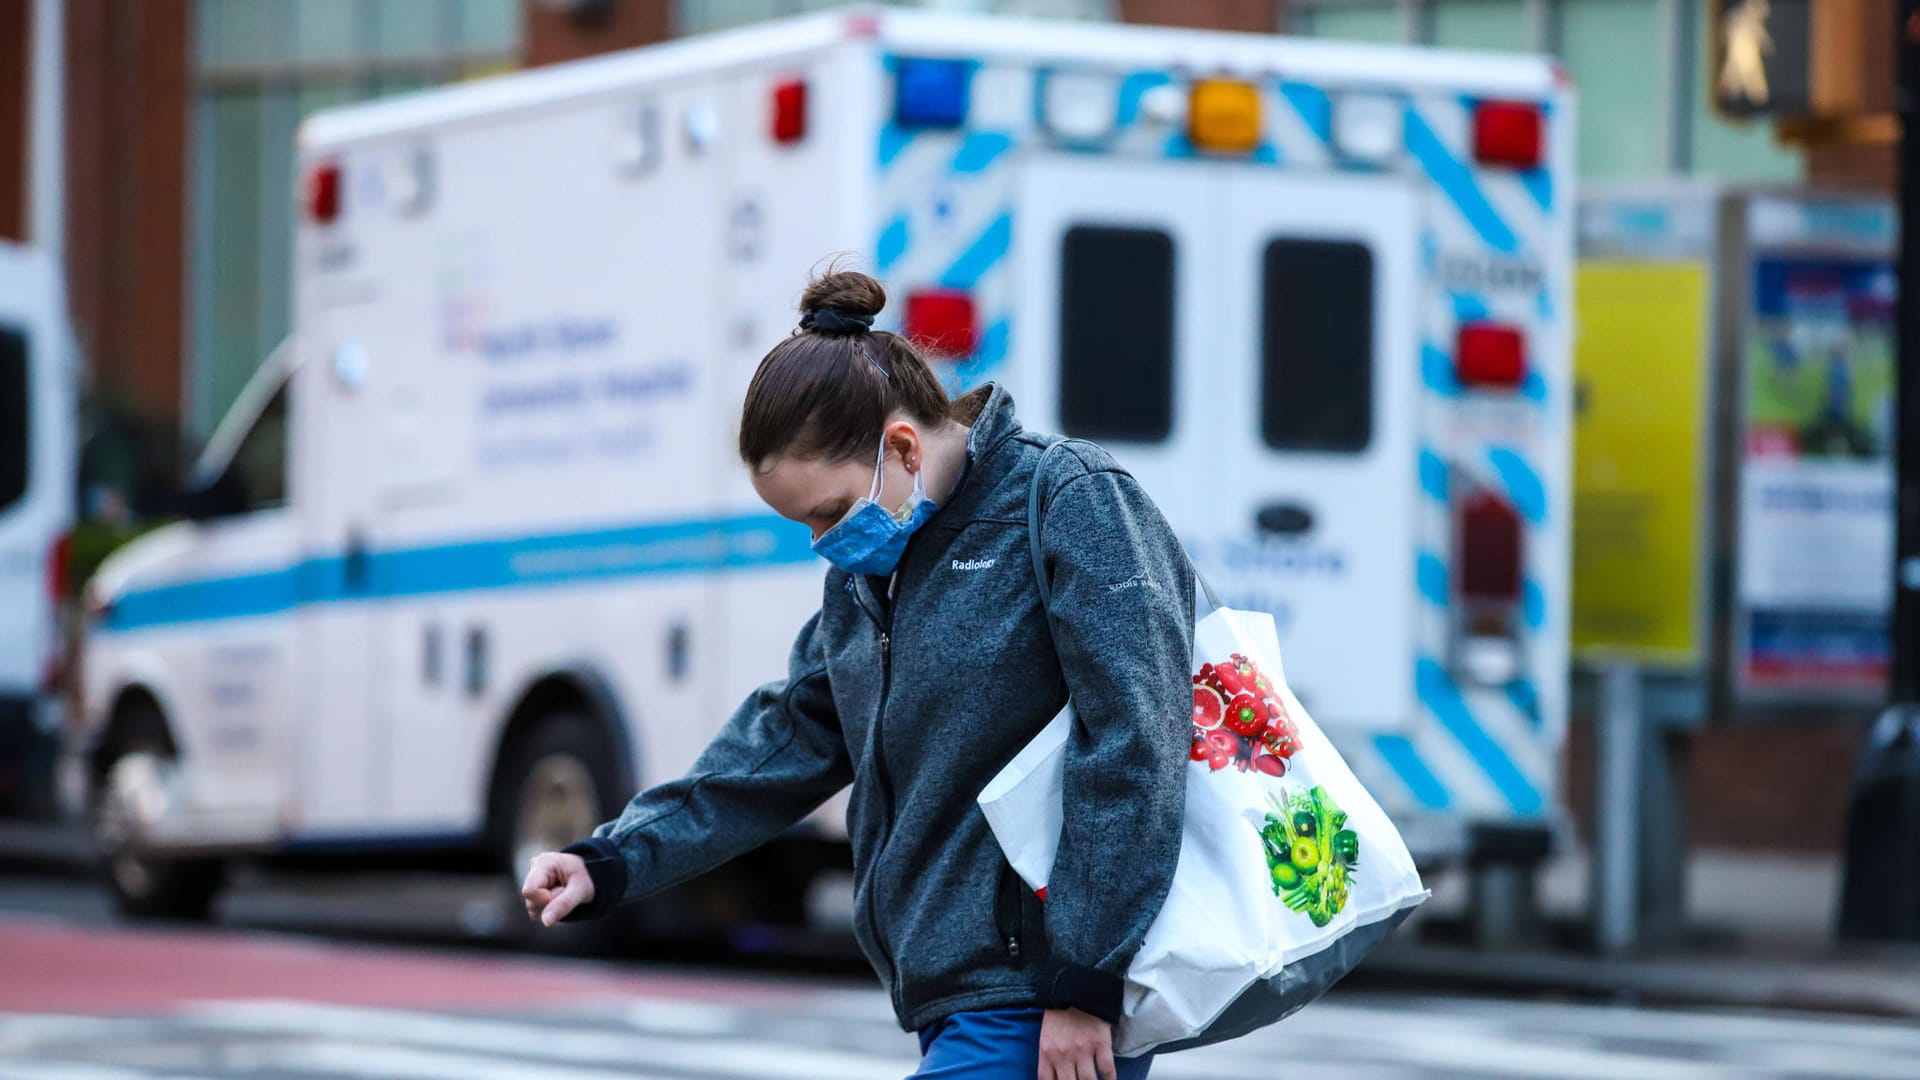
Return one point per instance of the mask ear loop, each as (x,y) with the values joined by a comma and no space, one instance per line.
(873,493)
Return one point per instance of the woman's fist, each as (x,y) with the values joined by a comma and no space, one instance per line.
(556,884)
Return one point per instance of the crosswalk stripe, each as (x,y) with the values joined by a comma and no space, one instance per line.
(80,1070)
(753,1057)
(404,1063)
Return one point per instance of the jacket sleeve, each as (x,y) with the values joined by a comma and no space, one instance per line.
(1122,617)
(778,758)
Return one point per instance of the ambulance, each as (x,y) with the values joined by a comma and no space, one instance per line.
(37,445)
(474,558)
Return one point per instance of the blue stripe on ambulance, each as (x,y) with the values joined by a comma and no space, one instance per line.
(670,547)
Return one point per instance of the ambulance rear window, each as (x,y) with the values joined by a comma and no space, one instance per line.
(1116,333)
(13,416)
(1316,377)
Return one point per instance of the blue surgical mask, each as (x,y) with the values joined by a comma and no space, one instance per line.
(869,539)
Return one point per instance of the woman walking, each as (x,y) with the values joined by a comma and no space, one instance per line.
(930,663)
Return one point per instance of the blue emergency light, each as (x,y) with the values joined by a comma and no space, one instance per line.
(931,93)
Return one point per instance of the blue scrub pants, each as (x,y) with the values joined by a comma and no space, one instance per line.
(995,1044)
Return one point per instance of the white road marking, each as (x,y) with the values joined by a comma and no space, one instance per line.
(551,1043)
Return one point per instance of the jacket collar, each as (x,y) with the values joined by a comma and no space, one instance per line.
(988,411)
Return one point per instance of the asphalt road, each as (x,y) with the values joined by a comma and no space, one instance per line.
(288,984)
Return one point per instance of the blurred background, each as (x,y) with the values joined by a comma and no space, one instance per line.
(341,394)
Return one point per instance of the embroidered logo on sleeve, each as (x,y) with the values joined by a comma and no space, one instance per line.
(1137,581)
(972,564)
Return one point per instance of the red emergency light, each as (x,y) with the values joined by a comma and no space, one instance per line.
(1508,133)
(943,322)
(323,193)
(1490,356)
(790,111)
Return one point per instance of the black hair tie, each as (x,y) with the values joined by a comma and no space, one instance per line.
(835,321)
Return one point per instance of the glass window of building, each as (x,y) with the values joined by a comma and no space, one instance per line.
(1639,120)
(699,16)
(1622,129)
(259,68)
(1381,22)
(1481,24)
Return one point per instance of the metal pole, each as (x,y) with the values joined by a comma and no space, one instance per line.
(46,105)
(1905,680)
(1617,805)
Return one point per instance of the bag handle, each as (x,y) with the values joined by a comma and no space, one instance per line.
(1033,536)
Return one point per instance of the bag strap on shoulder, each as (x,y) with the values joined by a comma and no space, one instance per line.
(1033,534)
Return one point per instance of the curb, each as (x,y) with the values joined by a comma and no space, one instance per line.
(1883,984)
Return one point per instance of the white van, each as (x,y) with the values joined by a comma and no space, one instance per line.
(476,557)
(37,418)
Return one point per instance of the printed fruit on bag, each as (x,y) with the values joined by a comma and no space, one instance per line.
(1208,707)
(1244,716)
(1346,847)
(1285,877)
(1243,719)
(1309,876)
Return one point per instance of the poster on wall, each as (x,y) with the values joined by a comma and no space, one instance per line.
(1815,547)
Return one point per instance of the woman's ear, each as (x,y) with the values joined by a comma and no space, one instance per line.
(903,440)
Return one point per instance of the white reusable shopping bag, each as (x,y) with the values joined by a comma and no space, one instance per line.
(1288,871)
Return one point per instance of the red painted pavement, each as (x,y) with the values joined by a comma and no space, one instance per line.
(46,967)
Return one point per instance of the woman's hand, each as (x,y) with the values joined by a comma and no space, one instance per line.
(1075,1046)
(556,884)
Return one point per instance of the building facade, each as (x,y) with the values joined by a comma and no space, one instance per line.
(179,191)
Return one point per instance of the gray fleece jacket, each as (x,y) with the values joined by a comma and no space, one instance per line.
(918,700)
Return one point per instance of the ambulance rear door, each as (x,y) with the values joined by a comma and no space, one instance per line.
(1242,339)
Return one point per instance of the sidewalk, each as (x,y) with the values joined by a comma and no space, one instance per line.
(1881,981)
(1768,916)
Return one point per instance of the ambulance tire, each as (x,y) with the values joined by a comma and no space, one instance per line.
(553,787)
(148,886)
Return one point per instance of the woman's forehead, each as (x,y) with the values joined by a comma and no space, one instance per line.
(804,480)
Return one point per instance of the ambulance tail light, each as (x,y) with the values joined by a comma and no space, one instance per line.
(1489,553)
(790,111)
(322,193)
(1508,133)
(60,567)
(59,577)
(1490,356)
(943,321)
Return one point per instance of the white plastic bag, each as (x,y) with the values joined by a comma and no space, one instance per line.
(1288,868)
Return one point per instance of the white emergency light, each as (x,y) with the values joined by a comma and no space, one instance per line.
(1367,127)
(636,141)
(1078,107)
(1164,105)
(703,127)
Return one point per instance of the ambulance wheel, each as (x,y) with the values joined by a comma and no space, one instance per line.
(134,778)
(554,787)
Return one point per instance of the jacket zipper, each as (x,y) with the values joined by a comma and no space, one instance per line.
(886,782)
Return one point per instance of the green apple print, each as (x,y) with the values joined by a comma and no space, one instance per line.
(1311,854)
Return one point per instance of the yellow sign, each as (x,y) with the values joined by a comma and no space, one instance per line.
(1639,459)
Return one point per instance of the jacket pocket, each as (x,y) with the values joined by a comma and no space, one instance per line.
(1008,920)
